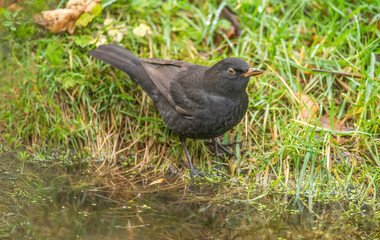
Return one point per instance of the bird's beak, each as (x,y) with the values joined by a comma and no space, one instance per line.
(252,72)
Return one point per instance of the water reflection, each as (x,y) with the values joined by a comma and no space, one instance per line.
(173,215)
(62,209)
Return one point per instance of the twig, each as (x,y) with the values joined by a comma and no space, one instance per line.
(228,14)
(343,133)
(356,75)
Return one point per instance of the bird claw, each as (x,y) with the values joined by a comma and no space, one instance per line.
(194,172)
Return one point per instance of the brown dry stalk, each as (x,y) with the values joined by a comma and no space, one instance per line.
(356,75)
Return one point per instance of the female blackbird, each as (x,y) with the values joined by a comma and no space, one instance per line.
(194,101)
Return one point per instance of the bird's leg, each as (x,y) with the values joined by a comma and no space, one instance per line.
(216,148)
(218,166)
(193,171)
(217,145)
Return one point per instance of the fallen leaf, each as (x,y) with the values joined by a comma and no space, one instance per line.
(158,181)
(15,7)
(87,17)
(317,38)
(108,21)
(84,19)
(116,34)
(82,5)
(64,19)
(93,7)
(8,3)
(231,32)
(58,20)
(338,125)
(115,31)
(269,9)
(142,30)
(308,107)
(325,123)
(79,5)
(122,28)
(100,39)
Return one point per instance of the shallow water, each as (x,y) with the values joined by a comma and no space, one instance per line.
(40,203)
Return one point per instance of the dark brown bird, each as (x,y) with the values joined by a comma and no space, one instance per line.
(194,101)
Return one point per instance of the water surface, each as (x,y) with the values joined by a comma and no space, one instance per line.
(44,203)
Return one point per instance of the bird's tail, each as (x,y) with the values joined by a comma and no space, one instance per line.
(126,61)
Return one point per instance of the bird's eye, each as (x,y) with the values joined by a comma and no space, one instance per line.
(231,71)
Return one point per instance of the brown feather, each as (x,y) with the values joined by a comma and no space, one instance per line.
(162,72)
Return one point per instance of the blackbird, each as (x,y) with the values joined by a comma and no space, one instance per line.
(194,101)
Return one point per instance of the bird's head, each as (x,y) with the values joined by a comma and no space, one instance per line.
(231,75)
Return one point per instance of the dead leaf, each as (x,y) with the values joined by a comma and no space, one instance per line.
(308,107)
(76,5)
(108,21)
(230,32)
(91,5)
(100,39)
(338,125)
(116,34)
(269,9)
(58,20)
(158,181)
(7,3)
(142,30)
(82,5)
(63,19)
(15,7)
(317,38)
(325,123)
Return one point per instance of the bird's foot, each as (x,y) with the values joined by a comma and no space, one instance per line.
(194,172)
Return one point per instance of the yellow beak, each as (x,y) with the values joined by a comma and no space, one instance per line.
(252,72)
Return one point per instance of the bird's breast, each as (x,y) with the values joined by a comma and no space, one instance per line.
(218,117)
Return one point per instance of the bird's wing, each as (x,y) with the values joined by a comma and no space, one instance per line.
(163,73)
(187,91)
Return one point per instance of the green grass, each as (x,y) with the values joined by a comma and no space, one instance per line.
(55,98)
